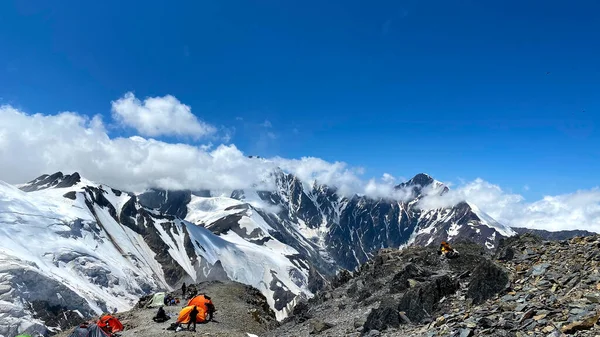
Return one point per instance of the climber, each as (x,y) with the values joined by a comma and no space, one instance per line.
(161,316)
(447,251)
(183,289)
(193,317)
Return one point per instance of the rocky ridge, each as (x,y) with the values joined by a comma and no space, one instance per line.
(529,287)
(553,235)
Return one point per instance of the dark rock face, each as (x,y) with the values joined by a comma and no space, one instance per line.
(316,281)
(142,222)
(488,280)
(359,226)
(57,180)
(418,303)
(169,202)
(382,318)
(282,295)
(400,282)
(70,195)
(300,313)
(55,315)
(69,180)
(341,278)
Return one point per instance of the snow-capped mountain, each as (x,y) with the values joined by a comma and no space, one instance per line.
(86,248)
(350,230)
(99,248)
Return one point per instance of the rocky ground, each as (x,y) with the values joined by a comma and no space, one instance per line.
(529,288)
(241,310)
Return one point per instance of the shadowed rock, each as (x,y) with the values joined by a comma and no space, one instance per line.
(488,280)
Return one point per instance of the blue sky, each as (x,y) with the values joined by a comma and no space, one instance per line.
(505,90)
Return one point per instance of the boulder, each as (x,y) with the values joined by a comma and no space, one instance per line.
(580,325)
(386,316)
(318,326)
(401,280)
(488,279)
(341,278)
(420,302)
(300,313)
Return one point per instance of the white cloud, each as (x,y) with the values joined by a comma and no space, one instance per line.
(227,134)
(388,178)
(159,116)
(526,187)
(578,210)
(338,174)
(267,124)
(206,147)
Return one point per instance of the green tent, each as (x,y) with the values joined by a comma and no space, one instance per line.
(158,300)
(23,336)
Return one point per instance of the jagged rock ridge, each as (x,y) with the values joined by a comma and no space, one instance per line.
(529,287)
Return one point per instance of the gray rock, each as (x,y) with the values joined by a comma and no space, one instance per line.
(466,333)
(386,316)
(488,280)
(373,333)
(318,326)
(539,269)
(521,307)
(419,303)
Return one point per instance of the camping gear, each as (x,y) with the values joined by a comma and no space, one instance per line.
(158,300)
(110,324)
(92,330)
(205,303)
(23,336)
(184,315)
(200,301)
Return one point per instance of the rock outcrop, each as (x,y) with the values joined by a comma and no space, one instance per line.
(530,287)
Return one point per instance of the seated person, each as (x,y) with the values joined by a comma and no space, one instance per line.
(161,316)
(447,251)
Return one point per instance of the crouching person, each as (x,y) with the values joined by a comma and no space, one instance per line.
(161,316)
(447,251)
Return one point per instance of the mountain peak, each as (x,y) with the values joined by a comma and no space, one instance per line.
(55,180)
(422,179)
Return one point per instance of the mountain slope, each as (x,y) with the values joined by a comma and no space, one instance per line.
(109,247)
(332,231)
(100,249)
(350,230)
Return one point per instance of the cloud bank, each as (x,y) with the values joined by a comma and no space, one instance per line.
(577,210)
(33,144)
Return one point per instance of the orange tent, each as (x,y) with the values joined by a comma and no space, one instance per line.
(200,301)
(184,315)
(110,324)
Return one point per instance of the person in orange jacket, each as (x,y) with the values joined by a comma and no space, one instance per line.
(447,251)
